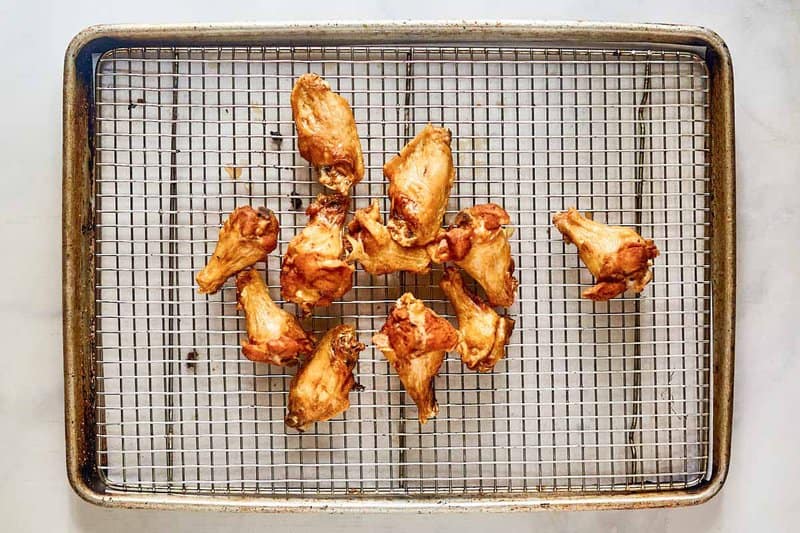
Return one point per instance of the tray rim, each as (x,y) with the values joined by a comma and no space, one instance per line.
(78,248)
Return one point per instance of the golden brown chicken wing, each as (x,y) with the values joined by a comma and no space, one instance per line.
(273,335)
(618,257)
(420,177)
(483,333)
(415,339)
(246,237)
(326,133)
(370,244)
(478,243)
(313,272)
(320,389)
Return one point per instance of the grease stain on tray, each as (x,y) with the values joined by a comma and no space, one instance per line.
(233,172)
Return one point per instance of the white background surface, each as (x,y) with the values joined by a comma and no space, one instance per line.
(761,492)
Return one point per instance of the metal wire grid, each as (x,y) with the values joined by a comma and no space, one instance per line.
(591,396)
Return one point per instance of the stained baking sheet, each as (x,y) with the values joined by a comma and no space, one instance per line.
(591,396)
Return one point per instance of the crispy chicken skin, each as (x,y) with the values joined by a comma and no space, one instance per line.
(313,272)
(246,237)
(370,244)
(320,389)
(420,178)
(478,243)
(326,133)
(618,257)
(415,339)
(483,333)
(273,335)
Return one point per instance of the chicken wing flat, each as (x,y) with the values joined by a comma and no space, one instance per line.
(371,245)
(273,335)
(478,243)
(483,333)
(618,257)
(246,237)
(326,133)
(320,390)
(420,177)
(313,272)
(415,339)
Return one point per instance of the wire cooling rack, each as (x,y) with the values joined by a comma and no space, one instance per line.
(608,396)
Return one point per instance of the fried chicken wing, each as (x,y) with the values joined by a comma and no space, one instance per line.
(371,245)
(273,335)
(246,237)
(478,243)
(618,257)
(415,339)
(420,177)
(483,333)
(320,389)
(313,272)
(326,133)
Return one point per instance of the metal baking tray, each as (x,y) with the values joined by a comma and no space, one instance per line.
(619,404)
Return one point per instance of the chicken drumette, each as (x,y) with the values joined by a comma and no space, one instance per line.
(483,333)
(320,389)
(273,335)
(415,339)
(478,243)
(618,257)
(313,272)
(420,177)
(246,237)
(371,245)
(326,133)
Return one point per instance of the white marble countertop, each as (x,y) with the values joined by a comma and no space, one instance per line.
(760,493)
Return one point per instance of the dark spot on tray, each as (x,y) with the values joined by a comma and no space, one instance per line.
(358,387)
(276,136)
(87,228)
(136,103)
(191,357)
(297,202)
